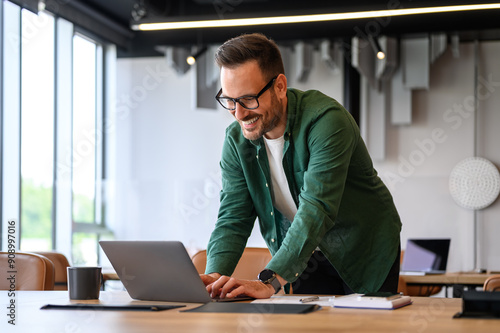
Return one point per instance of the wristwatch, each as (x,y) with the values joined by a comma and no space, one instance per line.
(267,276)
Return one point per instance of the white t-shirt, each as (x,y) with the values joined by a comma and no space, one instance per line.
(283,199)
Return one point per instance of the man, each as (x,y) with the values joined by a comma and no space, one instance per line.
(295,160)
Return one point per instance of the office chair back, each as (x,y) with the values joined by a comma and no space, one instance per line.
(492,283)
(61,264)
(32,271)
(416,290)
(252,262)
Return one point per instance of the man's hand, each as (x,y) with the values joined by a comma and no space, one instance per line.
(228,287)
(209,278)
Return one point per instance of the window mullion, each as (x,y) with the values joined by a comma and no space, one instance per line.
(99,135)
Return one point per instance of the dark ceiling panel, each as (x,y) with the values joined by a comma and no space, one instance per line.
(480,24)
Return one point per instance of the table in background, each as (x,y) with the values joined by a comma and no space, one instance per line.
(458,281)
(427,314)
(108,274)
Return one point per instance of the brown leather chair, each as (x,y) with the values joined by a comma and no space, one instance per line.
(492,283)
(416,290)
(410,290)
(61,264)
(32,271)
(252,262)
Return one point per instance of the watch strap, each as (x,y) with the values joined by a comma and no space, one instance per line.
(276,284)
(272,280)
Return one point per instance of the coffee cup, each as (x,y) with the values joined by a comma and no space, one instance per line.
(84,282)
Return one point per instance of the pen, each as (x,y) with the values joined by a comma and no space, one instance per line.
(309,299)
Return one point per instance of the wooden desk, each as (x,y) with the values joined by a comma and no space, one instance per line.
(427,314)
(456,280)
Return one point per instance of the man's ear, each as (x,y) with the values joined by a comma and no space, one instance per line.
(281,85)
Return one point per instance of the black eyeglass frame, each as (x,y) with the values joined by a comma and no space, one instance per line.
(237,100)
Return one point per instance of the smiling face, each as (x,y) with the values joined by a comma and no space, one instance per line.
(269,119)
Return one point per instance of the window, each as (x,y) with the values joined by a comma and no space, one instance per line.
(84,129)
(37,131)
(87,148)
(52,154)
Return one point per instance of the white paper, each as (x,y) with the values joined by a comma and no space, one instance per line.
(322,301)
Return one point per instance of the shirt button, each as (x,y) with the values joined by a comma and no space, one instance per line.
(257,156)
(272,240)
(267,185)
(272,213)
(296,274)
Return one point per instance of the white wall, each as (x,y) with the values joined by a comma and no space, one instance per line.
(489,120)
(167,174)
(420,157)
(167,177)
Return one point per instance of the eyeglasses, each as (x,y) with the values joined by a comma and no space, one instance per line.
(249,102)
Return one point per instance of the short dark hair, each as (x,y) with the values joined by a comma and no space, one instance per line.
(246,47)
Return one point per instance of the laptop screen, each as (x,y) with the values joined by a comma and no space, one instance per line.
(426,255)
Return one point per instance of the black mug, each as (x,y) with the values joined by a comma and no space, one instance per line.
(84,282)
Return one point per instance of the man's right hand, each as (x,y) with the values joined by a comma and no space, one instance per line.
(209,278)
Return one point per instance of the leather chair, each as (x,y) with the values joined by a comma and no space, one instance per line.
(32,271)
(252,262)
(492,283)
(415,290)
(61,264)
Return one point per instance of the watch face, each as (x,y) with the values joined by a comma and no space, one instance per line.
(266,274)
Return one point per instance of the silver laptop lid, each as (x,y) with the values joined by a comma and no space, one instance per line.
(156,270)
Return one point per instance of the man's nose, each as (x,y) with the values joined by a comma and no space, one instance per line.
(240,112)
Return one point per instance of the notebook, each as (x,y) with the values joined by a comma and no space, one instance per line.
(364,301)
(158,271)
(425,256)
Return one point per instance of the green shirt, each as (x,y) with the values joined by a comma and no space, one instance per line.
(342,205)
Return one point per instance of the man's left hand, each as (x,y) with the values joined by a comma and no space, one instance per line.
(228,287)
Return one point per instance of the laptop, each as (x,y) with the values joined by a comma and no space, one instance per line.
(158,271)
(425,256)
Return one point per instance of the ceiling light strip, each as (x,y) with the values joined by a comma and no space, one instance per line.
(310,18)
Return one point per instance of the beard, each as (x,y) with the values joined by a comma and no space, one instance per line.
(267,121)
